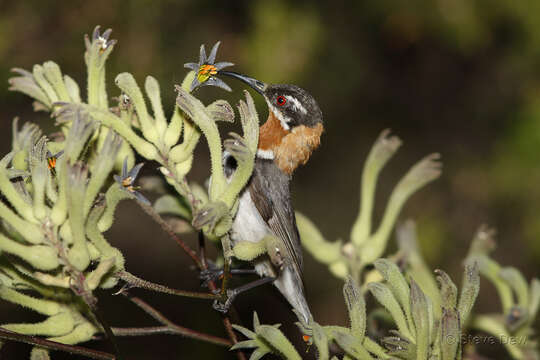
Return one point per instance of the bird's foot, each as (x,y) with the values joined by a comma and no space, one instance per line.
(224,304)
(210,274)
(213,273)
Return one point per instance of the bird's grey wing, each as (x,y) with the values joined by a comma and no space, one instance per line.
(269,190)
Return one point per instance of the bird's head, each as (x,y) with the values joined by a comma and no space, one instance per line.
(290,104)
(294,125)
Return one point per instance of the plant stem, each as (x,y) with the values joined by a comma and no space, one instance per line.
(52,345)
(171,330)
(137,282)
(201,264)
(176,329)
(213,288)
(226,264)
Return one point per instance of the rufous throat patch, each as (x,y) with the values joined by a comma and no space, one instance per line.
(296,147)
(271,133)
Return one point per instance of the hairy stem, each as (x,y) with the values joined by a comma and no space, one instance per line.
(177,329)
(137,282)
(214,289)
(171,330)
(52,345)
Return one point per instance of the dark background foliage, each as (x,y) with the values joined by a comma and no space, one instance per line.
(454,76)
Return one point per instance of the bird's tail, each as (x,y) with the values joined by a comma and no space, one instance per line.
(290,284)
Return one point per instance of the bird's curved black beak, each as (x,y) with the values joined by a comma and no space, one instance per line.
(257,85)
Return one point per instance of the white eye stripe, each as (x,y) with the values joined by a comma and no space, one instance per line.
(279,115)
(297,105)
(284,120)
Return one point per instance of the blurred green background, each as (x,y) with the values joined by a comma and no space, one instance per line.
(458,77)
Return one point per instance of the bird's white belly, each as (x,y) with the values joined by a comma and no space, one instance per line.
(248,224)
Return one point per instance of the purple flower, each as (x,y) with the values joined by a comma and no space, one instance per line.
(207,68)
(127,179)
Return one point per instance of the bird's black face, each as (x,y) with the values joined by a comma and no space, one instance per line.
(293,106)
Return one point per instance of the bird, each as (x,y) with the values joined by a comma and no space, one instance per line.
(287,139)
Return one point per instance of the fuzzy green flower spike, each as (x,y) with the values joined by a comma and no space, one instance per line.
(366,244)
(520,301)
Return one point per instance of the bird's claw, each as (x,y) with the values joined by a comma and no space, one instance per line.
(210,275)
(224,306)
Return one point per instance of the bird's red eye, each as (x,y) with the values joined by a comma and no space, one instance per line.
(281,100)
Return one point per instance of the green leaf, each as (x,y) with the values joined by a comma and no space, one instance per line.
(258,354)
(397,283)
(357,308)
(448,290)
(482,244)
(450,334)
(248,344)
(385,297)
(375,348)
(469,291)
(352,346)
(279,343)
(244,331)
(419,310)
(402,348)
(321,341)
(417,268)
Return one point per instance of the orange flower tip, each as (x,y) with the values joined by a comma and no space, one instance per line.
(51,162)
